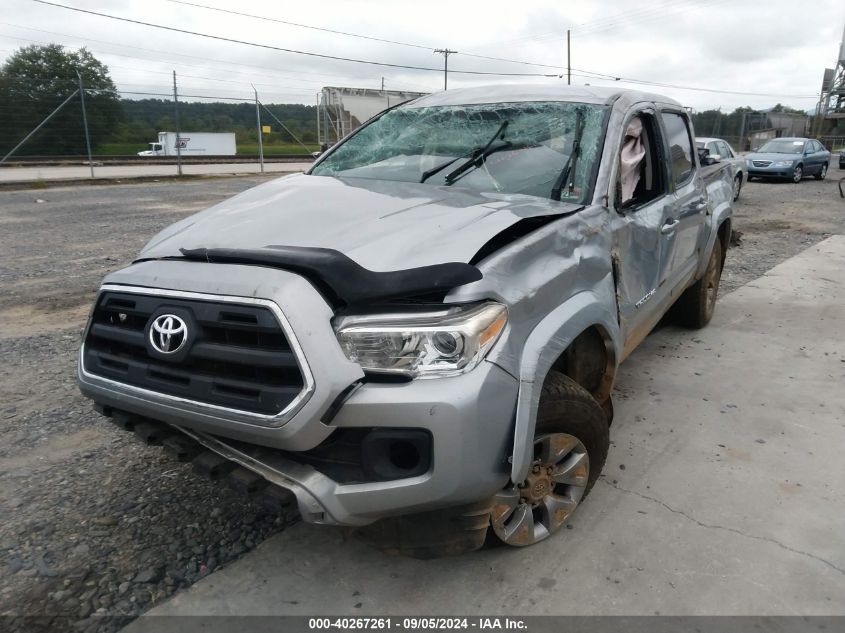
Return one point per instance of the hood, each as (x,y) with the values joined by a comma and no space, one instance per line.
(381,225)
(772,156)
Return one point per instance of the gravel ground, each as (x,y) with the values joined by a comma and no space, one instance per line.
(94,523)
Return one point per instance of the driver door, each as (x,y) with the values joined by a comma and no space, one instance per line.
(641,242)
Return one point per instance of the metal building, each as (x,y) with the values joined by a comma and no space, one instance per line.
(343,110)
(833,98)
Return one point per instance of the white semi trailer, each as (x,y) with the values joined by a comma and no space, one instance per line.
(193,144)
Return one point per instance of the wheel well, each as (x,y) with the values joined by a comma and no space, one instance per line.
(724,234)
(590,361)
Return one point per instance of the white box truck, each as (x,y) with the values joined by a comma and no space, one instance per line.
(193,144)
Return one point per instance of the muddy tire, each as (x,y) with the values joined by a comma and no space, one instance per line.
(436,534)
(571,441)
(695,307)
(737,186)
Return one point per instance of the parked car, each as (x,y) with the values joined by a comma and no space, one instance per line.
(420,335)
(720,150)
(792,158)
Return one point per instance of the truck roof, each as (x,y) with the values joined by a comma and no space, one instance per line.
(535,92)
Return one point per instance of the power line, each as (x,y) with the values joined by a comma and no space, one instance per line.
(588,73)
(169,54)
(279,48)
(348,34)
(591,74)
(304,26)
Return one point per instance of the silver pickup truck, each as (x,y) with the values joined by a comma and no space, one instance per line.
(419,337)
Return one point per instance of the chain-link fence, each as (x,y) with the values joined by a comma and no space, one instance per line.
(157,126)
(167,125)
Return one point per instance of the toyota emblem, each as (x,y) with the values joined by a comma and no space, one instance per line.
(168,334)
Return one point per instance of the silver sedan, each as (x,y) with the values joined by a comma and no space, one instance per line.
(722,152)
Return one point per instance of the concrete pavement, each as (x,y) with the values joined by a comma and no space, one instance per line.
(722,495)
(29,174)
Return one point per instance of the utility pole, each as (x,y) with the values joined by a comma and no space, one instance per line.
(568,61)
(319,136)
(260,133)
(382,84)
(445,52)
(178,139)
(85,123)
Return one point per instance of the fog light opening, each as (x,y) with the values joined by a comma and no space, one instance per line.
(404,455)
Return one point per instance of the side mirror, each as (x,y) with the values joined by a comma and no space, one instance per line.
(716,158)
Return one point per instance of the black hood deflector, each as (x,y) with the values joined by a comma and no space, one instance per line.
(341,280)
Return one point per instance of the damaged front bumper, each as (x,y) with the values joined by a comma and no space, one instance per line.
(469,418)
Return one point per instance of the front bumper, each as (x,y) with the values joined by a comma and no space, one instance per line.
(470,417)
(769,172)
(470,420)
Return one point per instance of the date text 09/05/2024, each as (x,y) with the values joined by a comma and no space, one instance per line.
(412,624)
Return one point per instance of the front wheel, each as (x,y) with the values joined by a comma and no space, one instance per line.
(797,173)
(821,175)
(570,447)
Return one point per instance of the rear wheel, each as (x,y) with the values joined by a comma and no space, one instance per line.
(570,447)
(738,185)
(797,173)
(696,306)
(821,175)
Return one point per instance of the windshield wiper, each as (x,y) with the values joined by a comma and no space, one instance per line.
(571,162)
(480,155)
(438,168)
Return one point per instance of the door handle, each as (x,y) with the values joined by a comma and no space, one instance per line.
(669,226)
(698,206)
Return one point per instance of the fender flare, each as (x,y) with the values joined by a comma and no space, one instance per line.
(721,213)
(543,347)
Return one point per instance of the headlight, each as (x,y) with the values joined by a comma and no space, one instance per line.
(782,163)
(434,344)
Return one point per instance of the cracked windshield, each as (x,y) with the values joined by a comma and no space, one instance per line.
(517,148)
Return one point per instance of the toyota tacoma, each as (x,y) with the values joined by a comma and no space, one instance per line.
(419,336)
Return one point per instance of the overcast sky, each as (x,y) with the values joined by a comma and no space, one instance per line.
(749,46)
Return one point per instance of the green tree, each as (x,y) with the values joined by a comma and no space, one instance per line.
(36,79)
(786,109)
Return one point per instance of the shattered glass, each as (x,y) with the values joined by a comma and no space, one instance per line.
(526,158)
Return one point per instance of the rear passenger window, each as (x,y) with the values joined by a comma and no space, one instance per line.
(680,147)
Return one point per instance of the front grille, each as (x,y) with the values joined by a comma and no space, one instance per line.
(761,163)
(237,355)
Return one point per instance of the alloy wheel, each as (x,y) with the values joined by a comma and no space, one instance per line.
(539,506)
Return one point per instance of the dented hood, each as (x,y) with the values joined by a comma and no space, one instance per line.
(381,225)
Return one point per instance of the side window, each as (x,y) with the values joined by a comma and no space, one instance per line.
(640,177)
(680,147)
(817,147)
(724,152)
